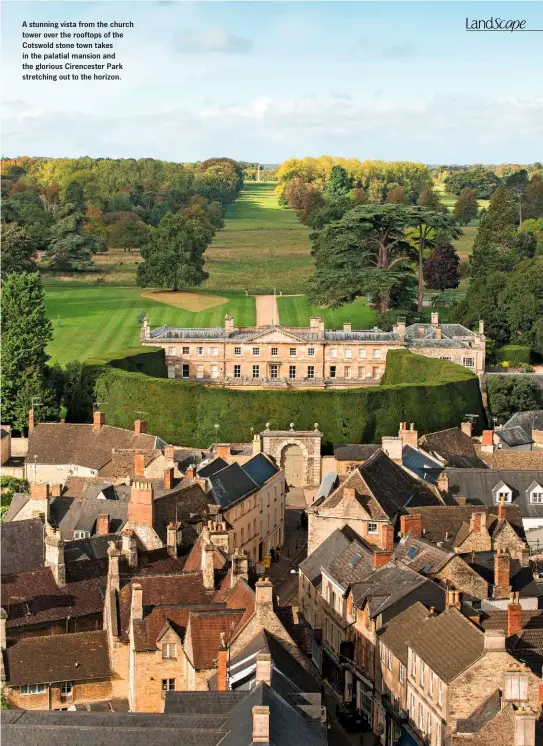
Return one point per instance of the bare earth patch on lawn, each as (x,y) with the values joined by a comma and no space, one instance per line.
(187,301)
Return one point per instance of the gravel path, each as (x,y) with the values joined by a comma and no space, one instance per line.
(266,310)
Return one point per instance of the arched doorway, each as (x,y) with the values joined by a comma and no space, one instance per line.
(292,462)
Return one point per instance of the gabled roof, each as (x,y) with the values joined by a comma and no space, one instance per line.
(205,633)
(230,485)
(355,452)
(421,464)
(354,564)
(325,553)
(477,486)
(448,643)
(442,523)
(421,555)
(67,443)
(22,547)
(387,585)
(75,657)
(395,632)
(513,436)
(212,467)
(528,421)
(512,458)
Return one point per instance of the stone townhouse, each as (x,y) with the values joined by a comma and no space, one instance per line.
(498,723)
(57,672)
(281,356)
(369,500)
(452,669)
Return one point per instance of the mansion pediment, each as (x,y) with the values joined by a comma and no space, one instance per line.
(276,335)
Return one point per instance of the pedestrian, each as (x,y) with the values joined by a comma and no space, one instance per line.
(272,553)
(278,554)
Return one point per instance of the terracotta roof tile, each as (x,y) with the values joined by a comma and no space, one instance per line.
(205,633)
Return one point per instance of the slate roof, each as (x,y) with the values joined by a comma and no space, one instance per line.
(395,632)
(421,464)
(212,468)
(477,485)
(443,523)
(21,544)
(522,579)
(528,421)
(68,443)
(354,564)
(453,447)
(513,436)
(230,485)
(421,555)
(78,656)
(325,553)
(355,452)
(448,643)
(260,469)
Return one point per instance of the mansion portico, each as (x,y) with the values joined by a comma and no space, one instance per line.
(306,357)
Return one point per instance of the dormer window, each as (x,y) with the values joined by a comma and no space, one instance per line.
(535,491)
(502,493)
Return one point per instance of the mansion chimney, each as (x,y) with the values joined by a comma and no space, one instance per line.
(54,556)
(316,325)
(228,325)
(347,327)
(140,427)
(481,326)
(98,420)
(141,505)
(399,329)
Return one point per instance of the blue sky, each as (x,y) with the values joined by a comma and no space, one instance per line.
(270,80)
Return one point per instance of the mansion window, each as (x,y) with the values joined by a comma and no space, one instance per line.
(421,718)
(332,371)
(362,352)
(292,371)
(348,352)
(237,371)
(311,351)
(237,351)
(347,371)
(171,350)
(186,350)
(214,370)
(440,691)
(376,372)
(311,371)
(536,497)
(169,650)
(292,351)
(361,371)
(256,371)
(275,351)
(468,362)
(168,685)
(32,689)
(199,371)
(422,673)
(199,350)
(214,351)
(273,370)
(333,352)
(185,370)
(376,354)
(256,350)
(372,528)
(242,536)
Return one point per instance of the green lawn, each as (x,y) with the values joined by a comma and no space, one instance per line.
(464,245)
(262,246)
(95,320)
(296,311)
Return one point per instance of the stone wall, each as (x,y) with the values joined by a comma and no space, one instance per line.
(82,692)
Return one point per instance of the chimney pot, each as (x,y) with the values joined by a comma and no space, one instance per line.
(514,615)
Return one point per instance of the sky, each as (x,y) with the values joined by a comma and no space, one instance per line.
(265,81)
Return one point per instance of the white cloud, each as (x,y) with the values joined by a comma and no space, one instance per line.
(211,40)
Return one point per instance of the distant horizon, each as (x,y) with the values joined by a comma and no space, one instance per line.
(391,81)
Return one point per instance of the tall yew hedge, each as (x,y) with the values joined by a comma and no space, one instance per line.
(434,394)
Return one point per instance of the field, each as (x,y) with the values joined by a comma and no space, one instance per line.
(296,311)
(261,246)
(464,245)
(96,319)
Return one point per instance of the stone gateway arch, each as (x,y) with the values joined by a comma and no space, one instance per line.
(297,452)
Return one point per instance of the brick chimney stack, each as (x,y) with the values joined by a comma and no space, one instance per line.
(263,669)
(102,524)
(411,524)
(190,472)
(39,499)
(98,420)
(54,556)
(380,558)
(240,566)
(168,478)
(129,547)
(502,510)
(137,602)
(222,665)
(169,453)
(443,482)
(452,599)
(139,465)
(140,427)
(30,421)
(208,566)
(141,505)
(263,596)
(222,450)
(487,441)
(514,615)
(467,428)
(409,437)
(387,537)
(502,574)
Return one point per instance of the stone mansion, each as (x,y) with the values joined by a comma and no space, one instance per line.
(306,357)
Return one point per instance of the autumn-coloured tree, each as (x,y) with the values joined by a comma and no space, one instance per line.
(396,196)
(466,206)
